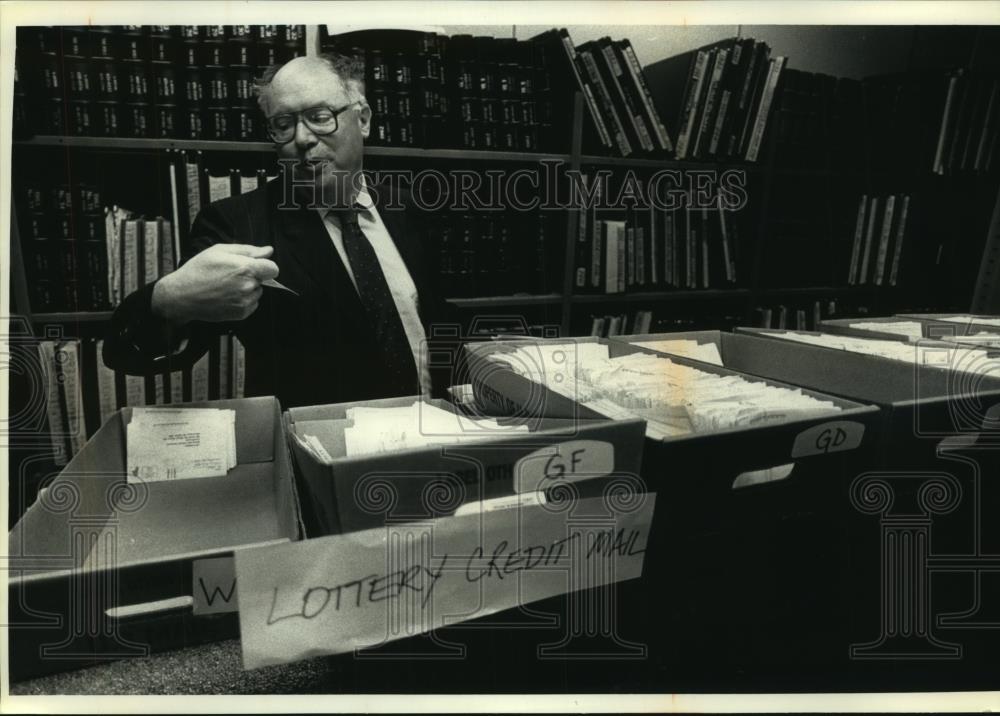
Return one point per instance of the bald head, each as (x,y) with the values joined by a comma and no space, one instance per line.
(331,74)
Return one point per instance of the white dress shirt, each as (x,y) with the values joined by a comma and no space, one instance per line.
(401,286)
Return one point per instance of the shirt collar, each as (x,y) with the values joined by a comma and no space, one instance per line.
(363,203)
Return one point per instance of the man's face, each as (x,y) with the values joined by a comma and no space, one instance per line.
(330,161)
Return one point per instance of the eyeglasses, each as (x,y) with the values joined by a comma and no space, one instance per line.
(320,121)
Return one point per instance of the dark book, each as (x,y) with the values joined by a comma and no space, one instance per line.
(751,99)
(675,84)
(963,117)
(709,107)
(591,70)
(989,126)
(946,129)
(564,82)
(627,94)
(637,76)
(977,118)
(732,87)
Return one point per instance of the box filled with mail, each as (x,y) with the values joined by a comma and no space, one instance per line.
(741,466)
(912,329)
(111,562)
(369,463)
(929,391)
(734,426)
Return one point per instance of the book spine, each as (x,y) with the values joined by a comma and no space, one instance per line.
(592,71)
(883,244)
(168,247)
(991,106)
(629,256)
(53,402)
(898,244)
(668,249)
(580,281)
(597,250)
(760,123)
(106,396)
(629,102)
(159,392)
(721,59)
(177,386)
(130,257)
(635,70)
(743,99)
(654,250)
(219,187)
(620,230)
(727,254)
(111,230)
(869,238)
(713,146)
(609,242)
(640,255)
(239,368)
(945,126)
(706,277)
(690,103)
(150,251)
(595,115)
(175,233)
(200,379)
(225,367)
(859,230)
(757,86)
(135,391)
(192,179)
(68,358)
(248,183)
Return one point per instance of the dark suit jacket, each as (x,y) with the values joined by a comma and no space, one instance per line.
(309,349)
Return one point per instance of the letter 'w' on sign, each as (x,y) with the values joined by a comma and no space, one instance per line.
(213,584)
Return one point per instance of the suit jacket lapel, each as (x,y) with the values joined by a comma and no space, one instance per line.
(302,247)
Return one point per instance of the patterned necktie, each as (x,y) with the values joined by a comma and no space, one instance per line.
(379,305)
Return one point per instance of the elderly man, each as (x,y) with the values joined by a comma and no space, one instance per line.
(352,325)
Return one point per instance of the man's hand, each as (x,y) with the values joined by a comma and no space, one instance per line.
(222,283)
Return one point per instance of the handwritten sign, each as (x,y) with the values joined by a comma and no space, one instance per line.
(567,462)
(213,584)
(833,436)
(336,594)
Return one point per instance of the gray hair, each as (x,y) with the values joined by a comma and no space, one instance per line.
(349,69)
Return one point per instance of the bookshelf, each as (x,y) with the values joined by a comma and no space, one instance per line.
(563,304)
(844,167)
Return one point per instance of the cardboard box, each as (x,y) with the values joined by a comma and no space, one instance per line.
(770,558)
(356,493)
(930,328)
(102,570)
(944,330)
(729,452)
(921,403)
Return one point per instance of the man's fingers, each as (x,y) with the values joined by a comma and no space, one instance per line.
(254,252)
(263,269)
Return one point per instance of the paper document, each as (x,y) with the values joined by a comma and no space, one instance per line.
(180,443)
(673,399)
(273,283)
(371,431)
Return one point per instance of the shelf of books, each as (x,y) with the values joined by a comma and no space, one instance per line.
(718,187)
